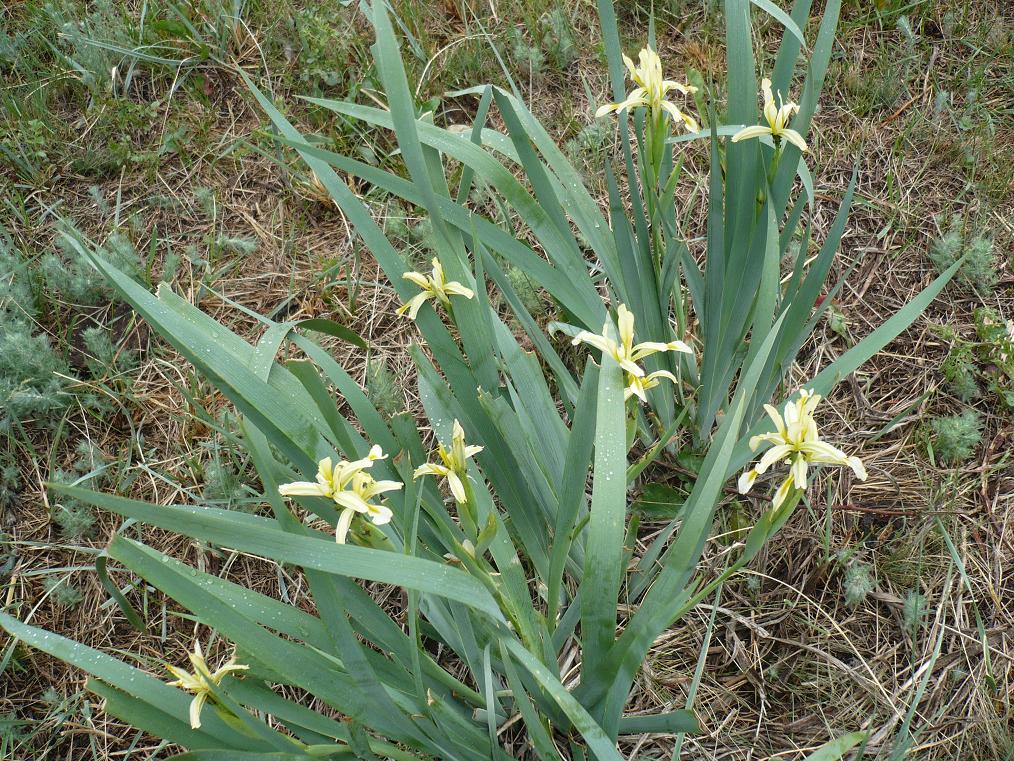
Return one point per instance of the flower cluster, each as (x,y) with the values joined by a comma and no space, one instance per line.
(350,487)
(777,118)
(200,682)
(627,353)
(651,90)
(436,287)
(795,442)
(455,465)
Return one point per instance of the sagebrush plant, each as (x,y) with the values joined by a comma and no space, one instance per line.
(979,270)
(514,571)
(954,438)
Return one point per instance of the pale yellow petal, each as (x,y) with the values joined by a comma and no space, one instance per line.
(195,709)
(302,489)
(748,132)
(429,469)
(795,138)
(457,487)
(344,524)
(351,501)
(773,455)
(380,514)
(798,470)
(457,289)
(782,494)
(625,326)
(746,481)
(418,279)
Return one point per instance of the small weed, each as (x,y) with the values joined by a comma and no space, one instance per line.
(63,594)
(383,388)
(236,245)
(954,438)
(960,370)
(858,583)
(527,291)
(979,270)
(76,281)
(10,480)
(914,612)
(105,357)
(30,386)
(552,46)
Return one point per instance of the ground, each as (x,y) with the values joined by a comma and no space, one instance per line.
(885,605)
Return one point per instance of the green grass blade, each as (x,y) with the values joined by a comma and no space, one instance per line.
(836,749)
(599,743)
(604,535)
(262,536)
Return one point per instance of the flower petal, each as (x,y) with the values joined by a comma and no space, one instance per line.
(746,481)
(380,514)
(795,138)
(858,468)
(457,487)
(679,117)
(798,470)
(195,709)
(776,418)
(351,501)
(773,455)
(782,493)
(625,326)
(457,289)
(747,132)
(302,489)
(418,279)
(594,339)
(344,523)
(765,438)
(821,451)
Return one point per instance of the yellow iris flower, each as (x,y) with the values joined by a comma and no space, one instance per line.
(637,385)
(651,90)
(436,287)
(200,682)
(795,442)
(777,118)
(454,467)
(350,487)
(627,353)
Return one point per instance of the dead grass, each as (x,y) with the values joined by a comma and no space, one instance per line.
(789,662)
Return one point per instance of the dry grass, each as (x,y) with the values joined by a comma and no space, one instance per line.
(790,663)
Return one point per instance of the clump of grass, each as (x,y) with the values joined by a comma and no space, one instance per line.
(223,482)
(383,389)
(979,270)
(62,592)
(954,438)
(17,294)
